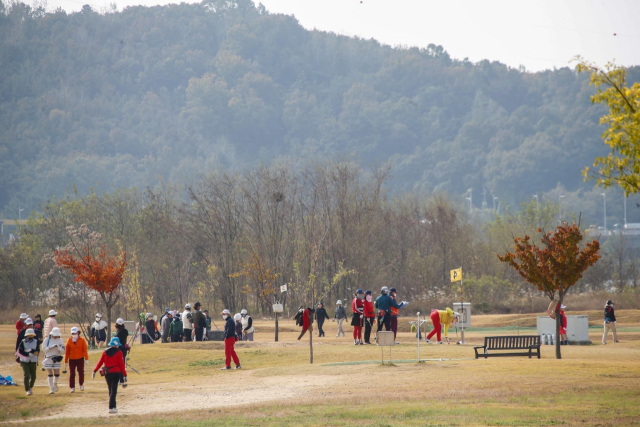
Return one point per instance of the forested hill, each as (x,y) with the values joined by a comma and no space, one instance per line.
(119,99)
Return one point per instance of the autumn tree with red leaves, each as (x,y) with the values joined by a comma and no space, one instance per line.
(556,265)
(89,262)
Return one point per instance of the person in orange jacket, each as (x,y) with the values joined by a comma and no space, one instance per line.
(441,318)
(76,354)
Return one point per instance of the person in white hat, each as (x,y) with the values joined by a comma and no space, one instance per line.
(53,353)
(50,323)
(77,355)
(340,315)
(28,324)
(247,326)
(230,337)
(99,331)
(28,352)
(564,340)
(20,324)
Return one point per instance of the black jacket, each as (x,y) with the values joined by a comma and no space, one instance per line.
(229,328)
(609,314)
(122,335)
(321,314)
(20,338)
(199,319)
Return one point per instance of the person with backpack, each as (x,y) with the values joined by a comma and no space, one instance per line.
(609,322)
(199,322)
(113,369)
(357,311)
(176,328)
(54,353)
(369,316)
(165,326)
(28,351)
(304,318)
(230,338)
(187,323)
(76,355)
(99,331)
(339,315)
(247,326)
(321,315)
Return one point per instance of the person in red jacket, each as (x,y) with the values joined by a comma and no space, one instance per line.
(564,340)
(357,310)
(369,316)
(113,366)
(20,324)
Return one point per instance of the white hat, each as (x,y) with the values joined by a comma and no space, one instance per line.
(28,321)
(187,306)
(52,312)
(29,332)
(339,302)
(563,306)
(243,311)
(225,311)
(98,315)
(55,332)
(74,330)
(149,315)
(120,321)
(24,316)
(237,317)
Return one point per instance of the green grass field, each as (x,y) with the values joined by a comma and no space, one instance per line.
(181,384)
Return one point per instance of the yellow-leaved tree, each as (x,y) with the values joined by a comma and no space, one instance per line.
(622,166)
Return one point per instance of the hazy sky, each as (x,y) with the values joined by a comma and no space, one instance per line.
(538,34)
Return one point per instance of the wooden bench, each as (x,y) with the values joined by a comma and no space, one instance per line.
(517,342)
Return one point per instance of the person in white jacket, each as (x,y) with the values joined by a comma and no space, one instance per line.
(187,323)
(99,331)
(53,353)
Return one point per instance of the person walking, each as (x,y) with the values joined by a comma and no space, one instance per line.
(187,322)
(165,326)
(176,328)
(54,353)
(20,324)
(123,335)
(76,355)
(339,315)
(28,351)
(50,323)
(113,369)
(357,311)
(229,341)
(321,316)
(151,329)
(441,318)
(369,316)
(247,326)
(28,324)
(609,322)
(564,340)
(99,331)
(199,322)
(38,326)
(383,304)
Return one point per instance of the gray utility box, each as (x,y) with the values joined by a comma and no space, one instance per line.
(216,335)
(577,328)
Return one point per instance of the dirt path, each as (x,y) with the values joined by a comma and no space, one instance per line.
(238,388)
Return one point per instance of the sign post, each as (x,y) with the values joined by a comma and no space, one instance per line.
(456,276)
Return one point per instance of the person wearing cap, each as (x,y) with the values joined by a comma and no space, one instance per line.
(99,331)
(229,341)
(28,324)
(166,311)
(238,318)
(76,355)
(176,329)
(609,322)
(369,316)
(50,323)
(38,326)
(383,304)
(123,336)
(187,323)
(564,340)
(321,316)
(113,370)
(247,326)
(28,352)
(394,314)
(441,318)
(151,330)
(199,322)
(357,311)
(20,324)
(165,326)
(339,315)
(54,351)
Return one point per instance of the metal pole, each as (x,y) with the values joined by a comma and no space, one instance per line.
(418,336)
(462,309)
(604,198)
(560,203)
(625,209)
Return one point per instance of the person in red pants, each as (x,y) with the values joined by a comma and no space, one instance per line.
(441,318)
(564,340)
(230,338)
(357,308)
(76,354)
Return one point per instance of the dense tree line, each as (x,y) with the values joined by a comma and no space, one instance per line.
(117,99)
(324,231)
